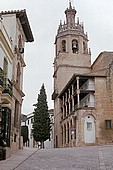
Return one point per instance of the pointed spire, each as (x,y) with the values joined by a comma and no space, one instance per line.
(77,20)
(70,15)
(89,51)
(70,7)
(60,22)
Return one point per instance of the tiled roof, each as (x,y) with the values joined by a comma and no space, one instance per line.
(21,14)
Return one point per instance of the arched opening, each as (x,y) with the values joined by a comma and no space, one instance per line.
(84,47)
(67,132)
(64,133)
(74,46)
(56,141)
(63,46)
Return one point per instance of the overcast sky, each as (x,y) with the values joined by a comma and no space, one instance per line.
(44,17)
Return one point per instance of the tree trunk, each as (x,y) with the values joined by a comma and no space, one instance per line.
(42,144)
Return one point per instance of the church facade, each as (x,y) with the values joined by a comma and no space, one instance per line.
(83,93)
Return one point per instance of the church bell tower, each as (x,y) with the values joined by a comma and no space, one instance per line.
(72,53)
(72,56)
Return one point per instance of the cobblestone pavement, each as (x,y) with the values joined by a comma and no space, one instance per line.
(80,158)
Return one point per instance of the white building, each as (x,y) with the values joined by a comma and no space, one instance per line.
(15,31)
(29,123)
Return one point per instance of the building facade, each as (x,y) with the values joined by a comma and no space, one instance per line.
(14,32)
(83,101)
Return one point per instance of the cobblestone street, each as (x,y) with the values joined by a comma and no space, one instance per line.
(83,158)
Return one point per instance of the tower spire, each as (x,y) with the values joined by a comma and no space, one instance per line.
(70,15)
(70,4)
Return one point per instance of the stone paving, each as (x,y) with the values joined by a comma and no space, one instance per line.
(80,158)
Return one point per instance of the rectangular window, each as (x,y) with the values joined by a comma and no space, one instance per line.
(89,126)
(108,124)
(14,137)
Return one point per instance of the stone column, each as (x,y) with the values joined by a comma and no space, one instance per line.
(73,97)
(78,92)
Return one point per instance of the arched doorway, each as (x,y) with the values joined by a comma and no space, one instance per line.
(89,129)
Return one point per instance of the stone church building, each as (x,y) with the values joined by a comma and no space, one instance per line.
(83,93)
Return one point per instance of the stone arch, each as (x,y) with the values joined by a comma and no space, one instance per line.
(64,133)
(74,46)
(63,45)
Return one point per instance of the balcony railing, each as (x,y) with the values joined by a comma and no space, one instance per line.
(87,86)
(8,87)
(83,105)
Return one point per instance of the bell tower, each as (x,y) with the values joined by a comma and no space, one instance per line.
(72,53)
(72,56)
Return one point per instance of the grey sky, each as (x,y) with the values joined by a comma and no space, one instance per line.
(44,17)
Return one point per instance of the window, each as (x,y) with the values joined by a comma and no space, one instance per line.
(63,46)
(108,124)
(84,47)
(15,137)
(18,75)
(89,125)
(75,46)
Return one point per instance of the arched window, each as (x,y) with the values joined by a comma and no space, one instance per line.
(64,133)
(63,46)
(67,132)
(5,72)
(84,47)
(18,74)
(75,46)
